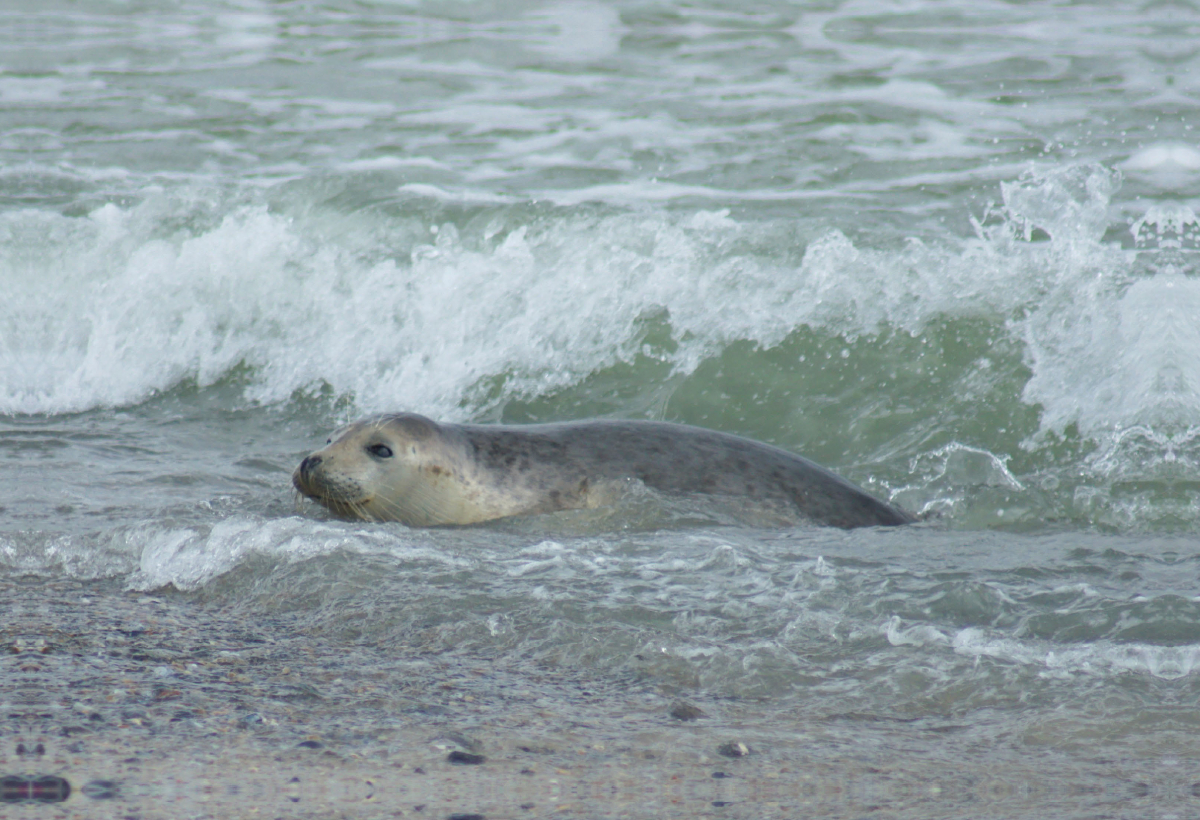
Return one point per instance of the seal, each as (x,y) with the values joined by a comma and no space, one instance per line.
(405,467)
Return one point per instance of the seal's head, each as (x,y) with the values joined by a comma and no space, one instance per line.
(384,468)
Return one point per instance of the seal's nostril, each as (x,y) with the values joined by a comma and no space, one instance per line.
(309,464)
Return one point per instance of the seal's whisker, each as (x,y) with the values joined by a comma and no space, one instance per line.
(360,511)
(404,467)
(364,513)
(392,510)
(343,508)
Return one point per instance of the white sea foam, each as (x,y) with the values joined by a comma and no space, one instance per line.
(189,558)
(1098,658)
(1112,342)
(1165,156)
(1095,659)
(31,90)
(108,309)
(580,31)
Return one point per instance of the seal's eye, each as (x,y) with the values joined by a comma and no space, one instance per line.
(380,451)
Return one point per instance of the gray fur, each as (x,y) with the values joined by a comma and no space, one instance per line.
(465,473)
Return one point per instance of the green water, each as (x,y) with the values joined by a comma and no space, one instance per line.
(947,250)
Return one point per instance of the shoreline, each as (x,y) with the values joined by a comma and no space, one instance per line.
(169,707)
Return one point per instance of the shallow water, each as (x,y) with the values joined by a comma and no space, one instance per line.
(948,250)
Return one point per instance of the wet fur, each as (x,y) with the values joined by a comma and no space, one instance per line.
(467,473)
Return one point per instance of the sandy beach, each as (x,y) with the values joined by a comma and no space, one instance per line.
(160,706)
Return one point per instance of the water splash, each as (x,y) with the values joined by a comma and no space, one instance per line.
(1113,349)
(457,309)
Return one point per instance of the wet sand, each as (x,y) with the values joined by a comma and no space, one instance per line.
(165,706)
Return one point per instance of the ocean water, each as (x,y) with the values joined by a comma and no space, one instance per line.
(947,249)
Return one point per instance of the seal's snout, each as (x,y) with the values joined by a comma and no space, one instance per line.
(302,477)
(309,464)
